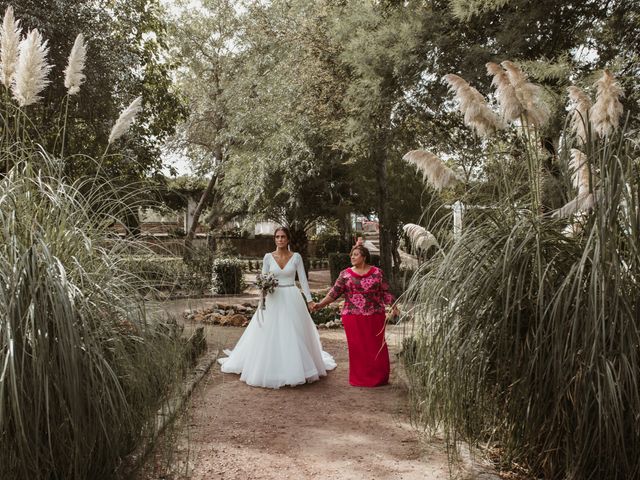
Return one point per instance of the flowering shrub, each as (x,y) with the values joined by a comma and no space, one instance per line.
(328,314)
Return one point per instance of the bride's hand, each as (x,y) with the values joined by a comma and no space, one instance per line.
(311,306)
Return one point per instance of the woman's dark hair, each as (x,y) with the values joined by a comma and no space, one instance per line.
(365,253)
(285,230)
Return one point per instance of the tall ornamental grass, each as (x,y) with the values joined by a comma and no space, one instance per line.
(527,331)
(82,372)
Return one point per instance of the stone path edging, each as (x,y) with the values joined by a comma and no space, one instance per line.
(172,407)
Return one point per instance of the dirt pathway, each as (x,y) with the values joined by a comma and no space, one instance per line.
(323,430)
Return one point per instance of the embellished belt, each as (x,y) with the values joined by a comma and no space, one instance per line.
(289,285)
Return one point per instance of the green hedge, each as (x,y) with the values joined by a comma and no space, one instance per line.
(255,264)
(337,263)
(164,273)
(226,277)
(331,243)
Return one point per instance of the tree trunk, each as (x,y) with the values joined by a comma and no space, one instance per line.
(132,222)
(395,254)
(299,242)
(380,160)
(346,232)
(204,199)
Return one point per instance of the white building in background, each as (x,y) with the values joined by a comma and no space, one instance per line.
(265,228)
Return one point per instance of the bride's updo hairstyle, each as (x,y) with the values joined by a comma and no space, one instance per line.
(284,230)
(364,251)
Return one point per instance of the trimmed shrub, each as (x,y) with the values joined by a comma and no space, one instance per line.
(198,270)
(167,273)
(226,277)
(154,270)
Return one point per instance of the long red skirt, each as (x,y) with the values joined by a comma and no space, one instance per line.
(368,353)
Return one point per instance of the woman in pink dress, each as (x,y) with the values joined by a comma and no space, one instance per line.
(366,292)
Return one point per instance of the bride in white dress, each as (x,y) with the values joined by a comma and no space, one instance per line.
(281,345)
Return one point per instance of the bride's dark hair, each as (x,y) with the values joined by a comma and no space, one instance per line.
(285,230)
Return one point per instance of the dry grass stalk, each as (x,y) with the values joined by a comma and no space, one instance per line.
(580,117)
(605,114)
(477,114)
(580,174)
(433,169)
(535,111)
(9,42)
(73,76)
(32,69)
(125,120)
(510,107)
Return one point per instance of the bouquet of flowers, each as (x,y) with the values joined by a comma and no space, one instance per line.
(267,283)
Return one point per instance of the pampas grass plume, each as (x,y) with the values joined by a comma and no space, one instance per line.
(73,76)
(477,114)
(581,105)
(420,238)
(9,42)
(433,169)
(125,120)
(606,112)
(581,203)
(510,106)
(534,109)
(30,77)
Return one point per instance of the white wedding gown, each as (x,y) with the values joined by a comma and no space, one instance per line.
(281,345)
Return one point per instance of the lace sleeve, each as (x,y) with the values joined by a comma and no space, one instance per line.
(265,263)
(304,284)
(339,287)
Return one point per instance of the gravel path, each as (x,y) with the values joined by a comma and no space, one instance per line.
(324,430)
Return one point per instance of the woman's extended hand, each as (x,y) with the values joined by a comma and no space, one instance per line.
(312,306)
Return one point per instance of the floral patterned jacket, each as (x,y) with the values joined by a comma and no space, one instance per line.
(363,294)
